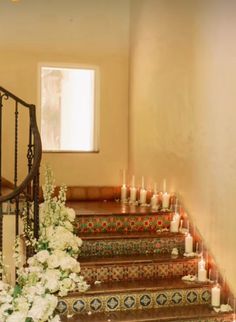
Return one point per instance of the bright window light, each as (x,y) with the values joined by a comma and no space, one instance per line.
(68,109)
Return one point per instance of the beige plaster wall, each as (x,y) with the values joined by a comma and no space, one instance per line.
(78,32)
(68,31)
(182,111)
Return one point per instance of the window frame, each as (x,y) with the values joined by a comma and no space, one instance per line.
(96,102)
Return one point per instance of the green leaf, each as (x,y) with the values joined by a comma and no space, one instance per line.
(17,291)
(28,320)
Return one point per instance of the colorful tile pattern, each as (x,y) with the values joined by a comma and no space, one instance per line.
(138,271)
(134,300)
(134,246)
(123,223)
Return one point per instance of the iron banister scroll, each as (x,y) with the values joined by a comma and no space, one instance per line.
(4,94)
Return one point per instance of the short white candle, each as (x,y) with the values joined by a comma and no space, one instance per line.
(165,200)
(123,193)
(215,296)
(174,226)
(188,243)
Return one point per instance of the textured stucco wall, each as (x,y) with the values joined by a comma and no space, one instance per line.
(182,111)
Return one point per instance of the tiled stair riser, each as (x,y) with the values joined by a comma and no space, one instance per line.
(134,300)
(134,246)
(108,273)
(123,223)
(219,319)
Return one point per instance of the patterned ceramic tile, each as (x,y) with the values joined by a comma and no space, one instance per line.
(132,246)
(161,299)
(116,223)
(136,300)
(62,307)
(136,271)
(163,270)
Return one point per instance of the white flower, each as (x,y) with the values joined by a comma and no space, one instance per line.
(53,261)
(16,317)
(55,319)
(42,256)
(69,263)
(71,214)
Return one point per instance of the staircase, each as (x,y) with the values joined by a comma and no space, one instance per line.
(126,257)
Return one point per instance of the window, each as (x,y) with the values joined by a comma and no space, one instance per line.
(68,99)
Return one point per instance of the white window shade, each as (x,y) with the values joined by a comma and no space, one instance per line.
(68,109)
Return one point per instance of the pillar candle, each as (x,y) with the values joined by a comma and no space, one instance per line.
(174,226)
(133,190)
(188,243)
(123,193)
(143,196)
(164,185)
(124,177)
(165,200)
(154,201)
(215,295)
(202,274)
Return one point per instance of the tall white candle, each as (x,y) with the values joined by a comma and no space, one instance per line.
(215,295)
(143,196)
(174,226)
(165,200)
(154,201)
(133,181)
(188,244)
(123,193)
(124,181)
(142,185)
(164,185)
(133,190)
(202,273)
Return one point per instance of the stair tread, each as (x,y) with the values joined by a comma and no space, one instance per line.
(147,258)
(180,313)
(110,208)
(141,285)
(131,234)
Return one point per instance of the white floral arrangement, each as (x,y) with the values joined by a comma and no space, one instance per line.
(53,271)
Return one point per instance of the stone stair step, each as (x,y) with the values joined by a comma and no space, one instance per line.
(131,243)
(193,313)
(136,267)
(130,295)
(114,217)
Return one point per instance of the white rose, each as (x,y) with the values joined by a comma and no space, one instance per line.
(53,261)
(42,256)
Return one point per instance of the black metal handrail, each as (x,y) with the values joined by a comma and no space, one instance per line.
(29,187)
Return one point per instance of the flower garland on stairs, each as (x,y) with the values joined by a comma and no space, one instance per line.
(53,271)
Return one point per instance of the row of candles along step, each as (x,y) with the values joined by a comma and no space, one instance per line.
(204,273)
(203,268)
(142,195)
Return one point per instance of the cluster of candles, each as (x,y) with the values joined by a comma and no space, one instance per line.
(202,271)
(133,194)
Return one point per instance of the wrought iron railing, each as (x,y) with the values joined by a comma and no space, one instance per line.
(22,162)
